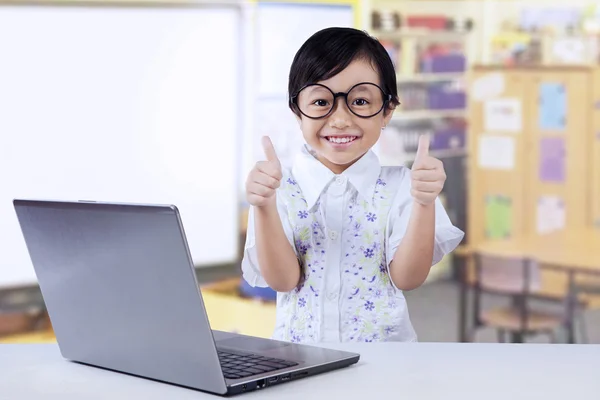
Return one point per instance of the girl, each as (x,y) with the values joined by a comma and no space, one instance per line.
(338,236)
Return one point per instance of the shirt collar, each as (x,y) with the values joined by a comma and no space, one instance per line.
(313,177)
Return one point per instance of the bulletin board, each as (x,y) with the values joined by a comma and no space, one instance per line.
(531,165)
(595,148)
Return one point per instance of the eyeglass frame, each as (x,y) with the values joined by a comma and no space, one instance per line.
(386,100)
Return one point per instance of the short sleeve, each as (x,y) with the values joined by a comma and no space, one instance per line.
(250,268)
(447,236)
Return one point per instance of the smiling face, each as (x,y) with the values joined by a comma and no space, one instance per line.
(341,138)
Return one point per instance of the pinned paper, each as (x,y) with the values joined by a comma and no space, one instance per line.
(496,152)
(551,214)
(487,87)
(552,106)
(552,160)
(503,115)
(498,217)
(570,50)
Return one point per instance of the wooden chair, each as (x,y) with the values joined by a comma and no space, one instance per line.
(517,279)
(591,287)
(22,311)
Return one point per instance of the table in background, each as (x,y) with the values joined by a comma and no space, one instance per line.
(578,251)
(574,252)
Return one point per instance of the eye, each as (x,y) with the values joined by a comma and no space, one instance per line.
(320,103)
(360,102)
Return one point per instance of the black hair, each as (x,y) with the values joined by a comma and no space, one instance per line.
(329,51)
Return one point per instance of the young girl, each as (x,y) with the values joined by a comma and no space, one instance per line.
(338,236)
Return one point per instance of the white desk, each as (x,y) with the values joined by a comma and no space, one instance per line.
(393,371)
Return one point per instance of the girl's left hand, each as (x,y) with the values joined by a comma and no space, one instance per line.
(427,174)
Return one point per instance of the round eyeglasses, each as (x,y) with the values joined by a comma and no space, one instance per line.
(364,100)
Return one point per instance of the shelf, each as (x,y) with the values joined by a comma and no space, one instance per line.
(421,34)
(430,77)
(410,115)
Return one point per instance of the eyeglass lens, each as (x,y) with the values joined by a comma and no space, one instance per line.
(364,100)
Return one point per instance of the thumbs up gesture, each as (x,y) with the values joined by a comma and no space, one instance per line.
(264,178)
(427,174)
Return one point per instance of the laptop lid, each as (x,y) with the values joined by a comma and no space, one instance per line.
(120,287)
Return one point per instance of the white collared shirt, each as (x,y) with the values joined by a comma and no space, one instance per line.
(345,230)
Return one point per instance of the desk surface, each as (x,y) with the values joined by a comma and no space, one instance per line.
(572,249)
(399,370)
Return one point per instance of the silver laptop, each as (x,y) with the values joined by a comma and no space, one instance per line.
(120,287)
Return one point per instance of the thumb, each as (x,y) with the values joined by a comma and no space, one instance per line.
(423,148)
(269,149)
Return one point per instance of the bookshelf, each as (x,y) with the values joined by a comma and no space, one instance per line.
(431,66)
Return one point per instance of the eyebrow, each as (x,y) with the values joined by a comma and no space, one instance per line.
(353,86)
(362,89)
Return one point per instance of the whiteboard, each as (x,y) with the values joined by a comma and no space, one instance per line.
(125,104)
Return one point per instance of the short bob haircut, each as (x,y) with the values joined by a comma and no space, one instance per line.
(329,51)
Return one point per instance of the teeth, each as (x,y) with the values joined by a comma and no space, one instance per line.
(341,139)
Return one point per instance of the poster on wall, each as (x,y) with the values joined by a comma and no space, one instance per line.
(498,216)
(503,115)
(552,106)
(552,160)
(487,87)
(570,50)
(551,214)
(496,152)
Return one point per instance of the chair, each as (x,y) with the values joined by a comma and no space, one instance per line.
(518,279)
(584,289)
(22,311)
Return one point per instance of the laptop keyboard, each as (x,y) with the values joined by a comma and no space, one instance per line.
(237,366)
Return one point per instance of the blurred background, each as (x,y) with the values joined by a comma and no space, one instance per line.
(165,102)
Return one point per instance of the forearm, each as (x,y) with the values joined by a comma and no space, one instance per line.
(413,257)
(278,263)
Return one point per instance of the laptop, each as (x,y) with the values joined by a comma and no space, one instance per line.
(121,291)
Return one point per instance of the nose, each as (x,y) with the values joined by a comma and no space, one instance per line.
(340,117)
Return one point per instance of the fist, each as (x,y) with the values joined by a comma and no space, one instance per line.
(264,178)
(427,175)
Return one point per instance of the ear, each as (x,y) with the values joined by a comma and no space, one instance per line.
(388,113)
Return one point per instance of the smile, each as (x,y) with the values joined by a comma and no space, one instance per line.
(341,139)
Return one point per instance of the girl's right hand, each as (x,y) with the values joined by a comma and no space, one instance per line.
(264,178)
